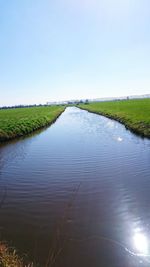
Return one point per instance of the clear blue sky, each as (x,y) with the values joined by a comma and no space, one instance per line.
(70,49)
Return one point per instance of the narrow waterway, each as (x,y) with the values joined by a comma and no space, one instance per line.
(78,194)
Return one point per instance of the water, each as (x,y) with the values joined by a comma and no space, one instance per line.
(78,194)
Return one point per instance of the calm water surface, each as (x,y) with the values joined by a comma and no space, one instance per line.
(78,194)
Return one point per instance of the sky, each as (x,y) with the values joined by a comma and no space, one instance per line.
(73,49)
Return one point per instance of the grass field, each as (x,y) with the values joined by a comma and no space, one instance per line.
(22,121)
(135,114)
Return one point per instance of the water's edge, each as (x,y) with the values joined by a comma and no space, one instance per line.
(34,131)
(137,131)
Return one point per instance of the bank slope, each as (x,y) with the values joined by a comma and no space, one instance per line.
(134,114)
(22,121)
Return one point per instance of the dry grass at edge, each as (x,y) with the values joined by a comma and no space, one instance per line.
(9,258)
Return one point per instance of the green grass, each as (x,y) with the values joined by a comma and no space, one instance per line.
(22,121)
(135,114)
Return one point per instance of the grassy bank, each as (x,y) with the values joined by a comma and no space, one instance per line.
(9,258)
(135,114)
(22,121)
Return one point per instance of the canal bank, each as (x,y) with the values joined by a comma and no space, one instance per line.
(134,114)
(18,122)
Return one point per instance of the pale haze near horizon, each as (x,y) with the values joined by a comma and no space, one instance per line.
(59,50)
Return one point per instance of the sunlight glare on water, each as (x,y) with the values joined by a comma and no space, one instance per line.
(141,243)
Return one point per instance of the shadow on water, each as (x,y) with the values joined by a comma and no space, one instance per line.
(78,193)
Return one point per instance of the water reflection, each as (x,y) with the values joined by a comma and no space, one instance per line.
(140,248)
(119,139)
(140,242)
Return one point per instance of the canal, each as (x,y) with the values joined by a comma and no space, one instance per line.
(77,194)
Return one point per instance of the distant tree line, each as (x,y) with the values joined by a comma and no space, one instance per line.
(45,105)
(23,106)
(82,102)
